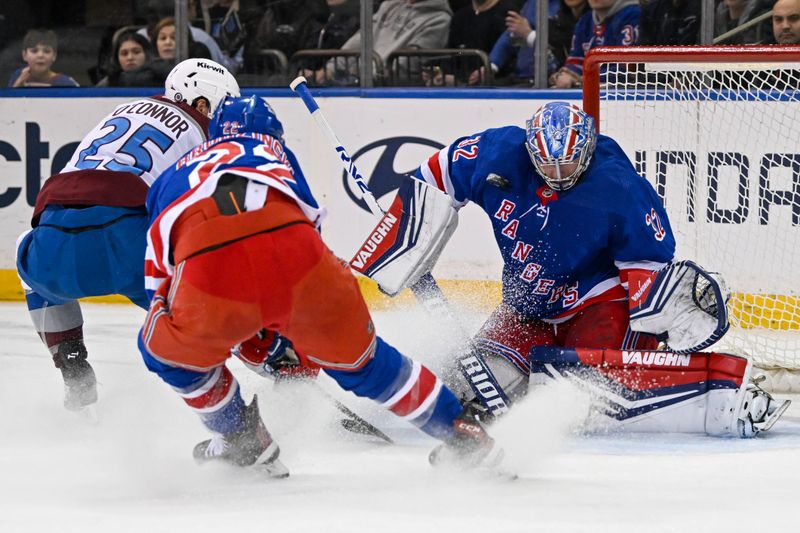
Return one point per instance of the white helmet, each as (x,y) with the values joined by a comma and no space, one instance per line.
(195,78)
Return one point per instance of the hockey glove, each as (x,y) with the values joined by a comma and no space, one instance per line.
(272,355)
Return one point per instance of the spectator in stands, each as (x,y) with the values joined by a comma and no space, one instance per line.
(786,21)
(130,52)
(561,29)
(401,24)
(221,21)
(39,51)
(342,23)
(733,13)
(288,26)
(670,22)
(476,25)
(164,38)
(161,9)
(609,23)
(512,53)
(479,24)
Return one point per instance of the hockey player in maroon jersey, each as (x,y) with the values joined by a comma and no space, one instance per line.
(590,283)
(89,222)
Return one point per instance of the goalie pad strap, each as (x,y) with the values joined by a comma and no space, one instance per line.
(408,239)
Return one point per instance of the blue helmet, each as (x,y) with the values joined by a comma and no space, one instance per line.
(560,134)
(246,114)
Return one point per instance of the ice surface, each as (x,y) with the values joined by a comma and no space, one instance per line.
(132,471)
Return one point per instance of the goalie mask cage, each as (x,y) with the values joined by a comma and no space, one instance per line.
(716,130)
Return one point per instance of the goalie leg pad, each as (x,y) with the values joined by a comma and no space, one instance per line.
(408,240)
(495,371)
(746,411)
(661,391)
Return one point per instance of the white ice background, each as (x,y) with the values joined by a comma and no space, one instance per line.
(132,470)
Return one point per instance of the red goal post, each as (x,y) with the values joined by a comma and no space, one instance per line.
(717,132)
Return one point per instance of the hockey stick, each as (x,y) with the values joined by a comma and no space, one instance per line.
(353,422)
(476,372)
(426,288)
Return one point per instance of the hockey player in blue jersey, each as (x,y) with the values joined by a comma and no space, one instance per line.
(235,260)
(589,287)
(89,222)
(608,23)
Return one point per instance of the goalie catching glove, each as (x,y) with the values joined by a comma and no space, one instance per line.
(270,354)
(408,240)
(682,305)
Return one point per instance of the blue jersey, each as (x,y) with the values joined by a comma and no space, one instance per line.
(238,154)
(257,157)
(504,49)
(562,250)
(618,29)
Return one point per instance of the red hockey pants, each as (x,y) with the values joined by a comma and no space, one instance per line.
(260,269)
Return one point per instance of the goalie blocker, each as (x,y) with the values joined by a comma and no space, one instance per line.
(409,238)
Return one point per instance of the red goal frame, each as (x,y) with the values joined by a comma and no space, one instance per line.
(673,54)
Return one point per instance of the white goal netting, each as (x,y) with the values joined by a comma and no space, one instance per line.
(720,141)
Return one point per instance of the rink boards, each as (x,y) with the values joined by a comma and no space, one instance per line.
(389,132)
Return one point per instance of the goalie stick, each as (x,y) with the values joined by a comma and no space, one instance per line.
(473,367)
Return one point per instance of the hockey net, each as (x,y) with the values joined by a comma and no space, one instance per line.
(716,130)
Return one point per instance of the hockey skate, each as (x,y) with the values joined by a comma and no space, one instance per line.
(252,446)
(760,410)
(470,446)
(80,383)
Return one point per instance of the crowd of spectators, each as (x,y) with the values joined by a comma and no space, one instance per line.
(238,33)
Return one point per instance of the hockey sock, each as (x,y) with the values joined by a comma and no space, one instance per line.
(216,399)
(213,394)
(405,387)
(55,323)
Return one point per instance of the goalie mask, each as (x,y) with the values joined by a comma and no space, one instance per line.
(200,78)
(560,139)
(247,114)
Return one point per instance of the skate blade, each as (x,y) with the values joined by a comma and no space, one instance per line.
(776,415)
(276,469)
(487,473)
